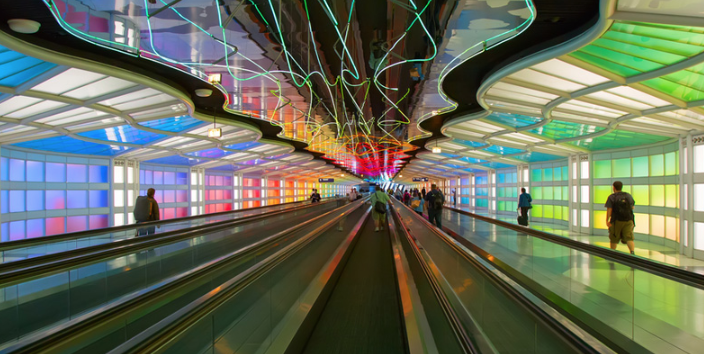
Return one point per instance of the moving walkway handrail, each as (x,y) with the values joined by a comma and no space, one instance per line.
(30,242)
(108,317)
(568,336)
(153,339)
(27,269)
(659,269)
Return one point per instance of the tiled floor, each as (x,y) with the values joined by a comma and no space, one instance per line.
(659,314)
(652,251)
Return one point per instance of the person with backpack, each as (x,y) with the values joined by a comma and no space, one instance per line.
(406,198)
(417,203)
(619,217)
(146,209)
(379,200)
(524,204)
(315,197)
(435,200)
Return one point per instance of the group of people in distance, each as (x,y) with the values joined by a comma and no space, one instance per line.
(420,201)
(619,215)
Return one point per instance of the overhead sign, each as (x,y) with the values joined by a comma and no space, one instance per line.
(326,180)
(420,179)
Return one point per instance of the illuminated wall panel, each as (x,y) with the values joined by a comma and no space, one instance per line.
(171,188)
(549,190)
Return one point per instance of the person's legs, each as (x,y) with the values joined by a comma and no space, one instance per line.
(437,215)
(431,216)
(613,237)
(627,234)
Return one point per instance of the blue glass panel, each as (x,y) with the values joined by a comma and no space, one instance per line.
(5,232)
(472,160)
(76,199)
(503,150)
(123,134)
(468,143)
(148,177)
(210,153)
(169,177)
(496,165)
(98,199)
(158,177)
(16,170)
(77,173)
(225,168)
(70,145)
(244,146)
(4,201)
(537,157)
(35,228)
(512,120)
(26,75)
(98,174)
(176,160)
(55,200)
(557,130)
(17,201)
(35,171)
(55,172)
(35,200)
(17,230)
(181,178)
(4,169)
(175,124)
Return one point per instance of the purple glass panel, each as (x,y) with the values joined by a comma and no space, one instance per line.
(182,196)
(181,178)
(55,226)
(55,172)
(55,200)
(77,173)
(158,177)
(17,230)
(148,177)
(228,181)
(98,199)
(4,169)
(4,201)
(98,221)
(169,177)
(4,232)
(169,196)
(35,228)
(35,200)
(98,174)
(159,196)
(35,171)
(16,170)
(76,199)
(17,201)
(76,223)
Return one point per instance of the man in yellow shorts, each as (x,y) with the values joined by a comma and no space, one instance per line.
(619,217)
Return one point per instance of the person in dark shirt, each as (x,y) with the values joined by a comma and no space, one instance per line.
(315,197)
(619,217)
(524,203)
(435,211)
(153,215)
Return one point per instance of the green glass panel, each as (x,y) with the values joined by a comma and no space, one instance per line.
(537,211)
(558,193)
(640,166)
(547,193)
(622,168)
(675,33)
(565,213)
(548,212)
(678,85)
(565,193)
(602,169)
(639,52)
(502,192)
(662,45)
(657,165)
(604,64)
(657,195)
(671,164)
(627,189)
(621,59)
(536,175)
(501,205)
(641,194)
(558,212)
(565,173)
(557,174)
(547,175)
(601,193)
(671,195)
(618,139)
(537,193)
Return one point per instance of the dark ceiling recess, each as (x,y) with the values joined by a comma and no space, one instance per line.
(557,21)
(51,36)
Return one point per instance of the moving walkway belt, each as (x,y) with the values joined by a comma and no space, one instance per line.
(97,328)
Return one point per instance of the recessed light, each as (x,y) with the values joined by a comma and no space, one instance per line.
(204,92)
(22,25)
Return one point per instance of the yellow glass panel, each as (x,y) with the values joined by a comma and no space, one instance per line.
(642,223)
(600,219)
(537,211)
(671,228)
(558,212)
(601,193)
(657,225)
(671,195)
(670,164)
(565,213)
(657,195)
(641,194)
(548,211)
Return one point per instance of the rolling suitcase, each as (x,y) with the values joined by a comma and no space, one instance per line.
(522,220)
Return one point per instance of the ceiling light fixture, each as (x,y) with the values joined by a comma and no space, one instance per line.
(204,92)
(214,132)
(215,78)
(25,26)
(436,148)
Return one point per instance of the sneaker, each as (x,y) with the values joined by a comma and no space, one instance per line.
(376,230)
(633,253)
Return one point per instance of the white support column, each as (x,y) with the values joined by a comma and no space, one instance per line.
(686,196)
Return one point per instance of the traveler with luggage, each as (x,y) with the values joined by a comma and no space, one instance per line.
(146,209)
(406,198)
(524,204)
(417,203)
(619,217)
(435,200)
(379,201)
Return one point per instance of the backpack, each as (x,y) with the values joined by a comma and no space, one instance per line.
(142,208)
(415,204)
(437,200)
(379,206)
(622,208)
